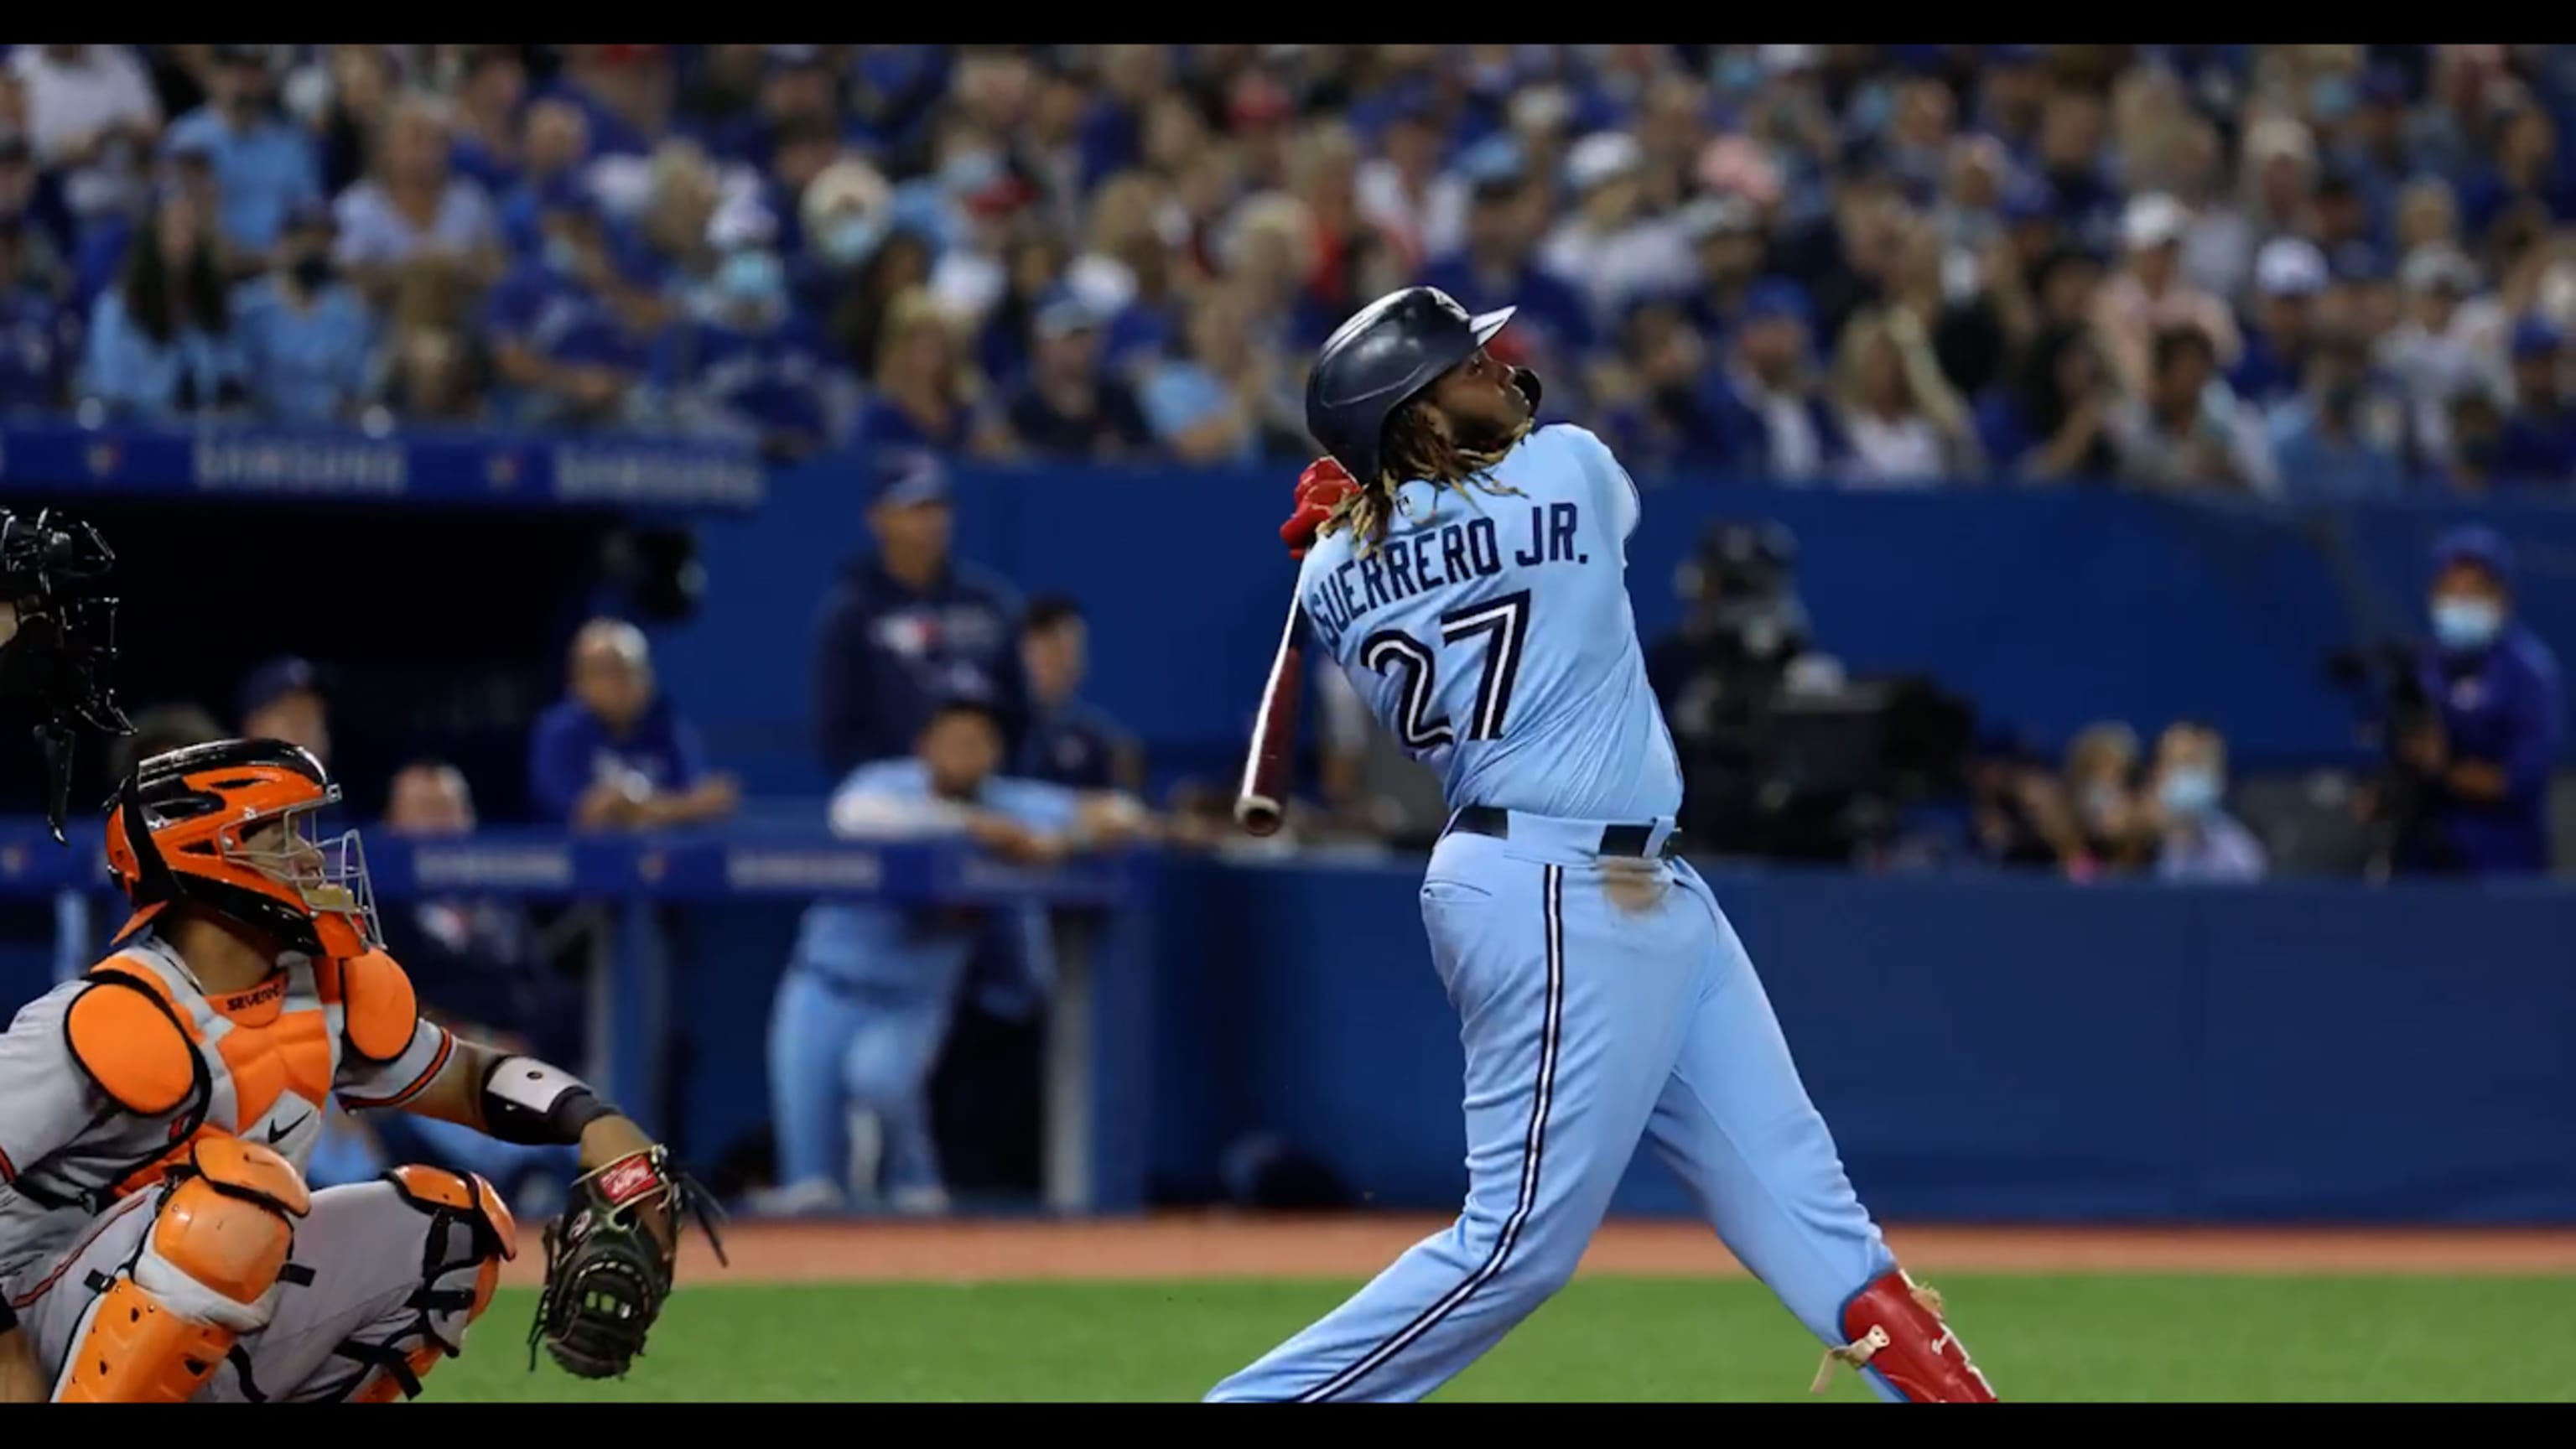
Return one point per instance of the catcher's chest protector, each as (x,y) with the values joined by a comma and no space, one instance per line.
(257,1065)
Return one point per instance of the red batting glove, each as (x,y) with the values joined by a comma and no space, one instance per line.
(1323,485)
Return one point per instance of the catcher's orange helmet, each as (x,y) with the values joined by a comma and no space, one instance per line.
(229,826)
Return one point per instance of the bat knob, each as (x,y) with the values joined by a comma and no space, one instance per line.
(1256,815)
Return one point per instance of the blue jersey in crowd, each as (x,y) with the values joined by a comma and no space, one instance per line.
(778,380)
(1554,322)
(40,343)
(306,364)
(140,376)
(555,316)
(263,172)
(571,750)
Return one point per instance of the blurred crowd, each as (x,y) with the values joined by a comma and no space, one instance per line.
(2339,269)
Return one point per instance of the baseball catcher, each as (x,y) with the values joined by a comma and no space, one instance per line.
(57,638)
(158,1243)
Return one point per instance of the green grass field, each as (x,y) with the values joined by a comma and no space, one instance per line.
(2098,1337)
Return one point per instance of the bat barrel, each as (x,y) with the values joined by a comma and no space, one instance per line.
(1260,802)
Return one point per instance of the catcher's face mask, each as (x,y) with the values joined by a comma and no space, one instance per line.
(231,826)
(329,875)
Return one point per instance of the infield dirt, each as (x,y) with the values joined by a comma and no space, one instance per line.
(1227,1246)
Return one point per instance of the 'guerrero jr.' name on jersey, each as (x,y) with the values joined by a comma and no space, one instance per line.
(1489,631)
(1455,553)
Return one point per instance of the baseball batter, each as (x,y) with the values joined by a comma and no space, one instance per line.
(158,1242)
(1467,570)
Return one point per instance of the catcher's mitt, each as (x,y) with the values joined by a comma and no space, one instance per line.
(609,1262)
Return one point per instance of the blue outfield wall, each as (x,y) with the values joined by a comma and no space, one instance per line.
(1985,1050)
(2050,609)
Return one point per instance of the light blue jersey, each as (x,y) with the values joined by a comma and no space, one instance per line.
(1492,635)
(893,945)
(1604,1000)
(863,1012)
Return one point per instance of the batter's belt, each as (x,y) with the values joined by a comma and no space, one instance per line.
(1645,840)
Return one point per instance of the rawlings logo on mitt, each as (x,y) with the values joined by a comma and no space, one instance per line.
(609,1263)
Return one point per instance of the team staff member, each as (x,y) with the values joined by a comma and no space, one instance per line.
(2502,721)
(617,755)
(907,625)
(1070,741)
(864,1009)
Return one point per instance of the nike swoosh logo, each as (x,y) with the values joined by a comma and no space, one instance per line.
(277,1134)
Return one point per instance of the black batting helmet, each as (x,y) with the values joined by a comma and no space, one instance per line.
(1390,350)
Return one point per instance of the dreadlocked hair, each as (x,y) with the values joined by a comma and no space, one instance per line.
(1416,445)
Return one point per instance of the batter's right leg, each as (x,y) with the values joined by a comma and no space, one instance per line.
(1736,1125)
(1571,1014)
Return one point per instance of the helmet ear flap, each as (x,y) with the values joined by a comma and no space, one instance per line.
(152,877)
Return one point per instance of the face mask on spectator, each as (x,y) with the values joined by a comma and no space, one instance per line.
(751,279)
(849,241)
(2188,793)
(2332,97)
(971,172)
(2466,623)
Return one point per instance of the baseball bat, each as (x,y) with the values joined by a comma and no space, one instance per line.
(1262,800)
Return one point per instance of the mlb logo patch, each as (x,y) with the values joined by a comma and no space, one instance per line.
(910,634)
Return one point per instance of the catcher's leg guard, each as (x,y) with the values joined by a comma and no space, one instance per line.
(1896,1328)
(203,1276)
(470,1231)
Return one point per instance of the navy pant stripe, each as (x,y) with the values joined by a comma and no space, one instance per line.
(1552,902)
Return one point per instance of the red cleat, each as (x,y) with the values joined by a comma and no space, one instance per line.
(1895,1327)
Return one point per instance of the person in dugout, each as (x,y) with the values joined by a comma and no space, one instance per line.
(865,1007)
(907,624)
(2487,763)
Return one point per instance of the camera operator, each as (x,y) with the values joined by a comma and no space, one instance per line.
(58,640)
(1784,757)
(2467,788)
(1719,675)
(1722,677)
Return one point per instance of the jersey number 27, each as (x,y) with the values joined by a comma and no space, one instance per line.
(1499,624)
